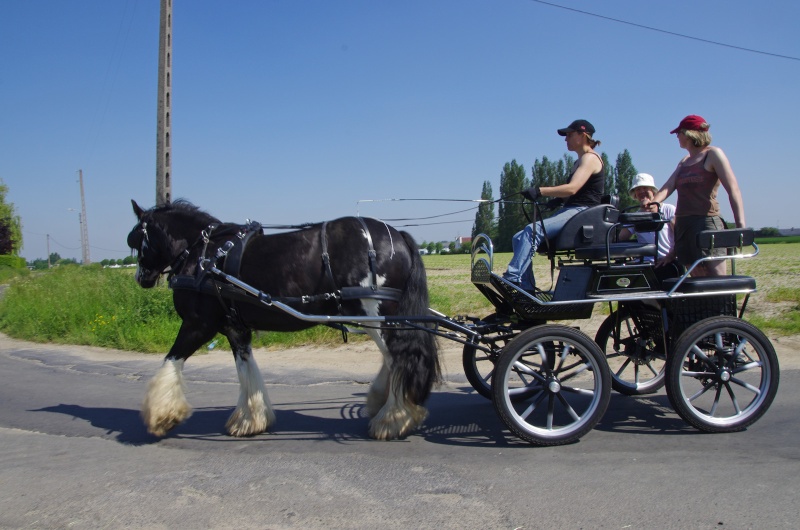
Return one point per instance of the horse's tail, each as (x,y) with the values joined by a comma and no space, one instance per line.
(414,351)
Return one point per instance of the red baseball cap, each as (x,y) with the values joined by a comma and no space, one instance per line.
(692,122)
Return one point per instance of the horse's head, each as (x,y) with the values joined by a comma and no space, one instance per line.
(161,236)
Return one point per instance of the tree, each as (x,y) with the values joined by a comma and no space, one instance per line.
(625,171)
(609,184)
(511,215)
(484,218)
(10,225)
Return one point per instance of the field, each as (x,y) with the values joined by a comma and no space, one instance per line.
(104,307)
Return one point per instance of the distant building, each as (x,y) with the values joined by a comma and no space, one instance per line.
(789,231)
(461,240)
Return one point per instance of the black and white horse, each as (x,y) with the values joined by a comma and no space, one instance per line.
(309,269)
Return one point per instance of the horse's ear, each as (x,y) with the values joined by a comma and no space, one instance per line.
(137,210)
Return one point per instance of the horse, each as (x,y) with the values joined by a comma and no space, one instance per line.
(351,266)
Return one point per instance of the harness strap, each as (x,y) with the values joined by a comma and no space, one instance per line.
(373,267)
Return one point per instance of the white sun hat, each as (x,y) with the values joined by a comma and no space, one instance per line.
(643,180)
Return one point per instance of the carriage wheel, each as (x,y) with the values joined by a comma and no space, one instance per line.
(479,365)
(722,374)
(551,385)
(636,361)
(479,368)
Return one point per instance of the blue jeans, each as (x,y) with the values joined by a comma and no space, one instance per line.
(525,242)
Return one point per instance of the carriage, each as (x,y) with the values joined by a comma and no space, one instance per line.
(550,383)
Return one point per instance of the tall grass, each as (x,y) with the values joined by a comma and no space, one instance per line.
(105,307)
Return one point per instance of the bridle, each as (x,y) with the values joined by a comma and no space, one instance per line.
(172,268)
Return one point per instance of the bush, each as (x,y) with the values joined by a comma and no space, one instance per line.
(7,260)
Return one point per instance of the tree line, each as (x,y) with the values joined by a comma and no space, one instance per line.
(511,209)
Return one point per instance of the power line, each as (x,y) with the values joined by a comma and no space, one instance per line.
(751,50)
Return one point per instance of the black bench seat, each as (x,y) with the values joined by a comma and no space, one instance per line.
(711,284)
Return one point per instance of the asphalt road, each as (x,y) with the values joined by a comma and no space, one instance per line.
(74,453)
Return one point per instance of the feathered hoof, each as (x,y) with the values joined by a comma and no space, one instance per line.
(376,399)
(160,421)
(397,423)
(244,422)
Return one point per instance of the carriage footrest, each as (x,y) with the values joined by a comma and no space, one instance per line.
(711,284)
(535,306)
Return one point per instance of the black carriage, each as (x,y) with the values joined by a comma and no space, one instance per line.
(551,383)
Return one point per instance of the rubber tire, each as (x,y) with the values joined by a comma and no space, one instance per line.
(765,375)
(591,402)
(604,340)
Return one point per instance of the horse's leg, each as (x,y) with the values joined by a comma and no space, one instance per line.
(253,414)
(165,404)
(394,414)
(379,389)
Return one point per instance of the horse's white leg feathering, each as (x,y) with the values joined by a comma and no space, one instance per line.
(165,404)
(253,414)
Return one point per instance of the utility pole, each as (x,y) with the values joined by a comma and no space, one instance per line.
(163,149)
(84,225)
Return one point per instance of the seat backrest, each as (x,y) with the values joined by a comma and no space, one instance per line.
(588,227)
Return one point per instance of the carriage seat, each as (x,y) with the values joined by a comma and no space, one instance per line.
(588,227)
(709,284)
(717,239)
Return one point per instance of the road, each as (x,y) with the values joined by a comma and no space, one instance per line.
(74,453)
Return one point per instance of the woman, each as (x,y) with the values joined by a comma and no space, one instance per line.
(697,179)
(584,188)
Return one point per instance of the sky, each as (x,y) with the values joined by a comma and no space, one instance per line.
(300,111)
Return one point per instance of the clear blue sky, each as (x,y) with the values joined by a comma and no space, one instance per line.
(292,111)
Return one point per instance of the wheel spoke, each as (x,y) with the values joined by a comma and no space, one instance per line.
(733,399)
(653,370)
(701,354)
(568,407)
(538,399)
(579,391)
(580,369)
(748,386)
(622,368)
(551,402)
(521,367)
(713,411)
(701,392)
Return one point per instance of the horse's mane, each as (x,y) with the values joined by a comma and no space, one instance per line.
(185,208)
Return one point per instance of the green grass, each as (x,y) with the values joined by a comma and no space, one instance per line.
(105,307)
(777,240)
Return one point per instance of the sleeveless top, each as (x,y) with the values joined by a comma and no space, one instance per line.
(697,190)
(591,193)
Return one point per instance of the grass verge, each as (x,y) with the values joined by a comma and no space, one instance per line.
(105,307)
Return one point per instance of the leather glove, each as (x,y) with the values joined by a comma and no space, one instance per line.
(531,193)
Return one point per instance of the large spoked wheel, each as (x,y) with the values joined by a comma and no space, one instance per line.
(636,360)
(551,385)
(722,375)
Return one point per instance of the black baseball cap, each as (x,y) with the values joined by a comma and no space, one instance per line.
(577,126)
